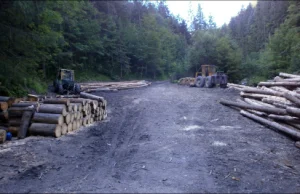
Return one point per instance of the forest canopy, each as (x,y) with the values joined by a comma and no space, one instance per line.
(121,40)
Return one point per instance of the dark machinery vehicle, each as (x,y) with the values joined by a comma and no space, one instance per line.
(209,78)
(65,83)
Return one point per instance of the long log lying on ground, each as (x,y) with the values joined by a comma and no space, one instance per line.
(292,98)
(25,104)
(292,79)
(91,96)
(17,111)
(294,84)
(256,96)
(65,101)
(25,122)
(48,118)
(278,111)
(259,103)
(260,91)
(295,134)
(53,109)
(288,75)
(293,111)
(285,118)
(45,129)
(68,96)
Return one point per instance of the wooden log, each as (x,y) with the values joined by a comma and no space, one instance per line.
(75,107)
(259,103)
(13,130)
(78,100)
(288,75)
(2,136)
(72,117)
(272,100)
(70,127)
(53,109)
(67,118)
(101,90)
(64,101)
(278,111)
(3,106)
(292,98)
(25,122)
(48,118)
(25,104)
(278,79)
(45,129)
(260,91)
(293,111)
(292,79)
(91,96)
(79,123)
(4,116)
(294,84)
(64,129)
(67,96)
(4,98)
(33,97)
(285,118)
(16,122)
(74,125)
(291,132)
(17,111)
(255,96)
(297,144)
(85,121)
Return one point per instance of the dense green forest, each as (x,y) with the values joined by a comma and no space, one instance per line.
(120,40)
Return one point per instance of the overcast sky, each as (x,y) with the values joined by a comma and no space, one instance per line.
(222,11)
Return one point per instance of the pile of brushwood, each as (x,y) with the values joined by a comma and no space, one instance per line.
(275,103)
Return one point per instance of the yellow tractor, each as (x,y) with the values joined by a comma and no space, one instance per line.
(209,77)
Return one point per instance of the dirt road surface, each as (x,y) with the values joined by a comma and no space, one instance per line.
(162,138)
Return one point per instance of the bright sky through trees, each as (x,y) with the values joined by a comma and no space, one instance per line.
(222,11)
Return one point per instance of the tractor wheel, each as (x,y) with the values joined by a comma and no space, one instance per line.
(200,81)
(208,82)
(77,89)
(60,89)
(223,85)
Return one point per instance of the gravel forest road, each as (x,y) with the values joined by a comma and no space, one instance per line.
(161,138)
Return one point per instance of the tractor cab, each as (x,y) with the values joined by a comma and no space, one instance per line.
(65,82)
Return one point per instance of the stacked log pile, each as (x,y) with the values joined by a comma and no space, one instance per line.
(21,113)
(275,103)
(112,86)
(59,116)
(186,81)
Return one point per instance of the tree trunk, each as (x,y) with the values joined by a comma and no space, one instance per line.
(48,118)
(53,109)
(25,104)
(16,122)
(2,136)
(288,75)
(64,129)
(45,129)
(293,111)
(292,98)
(255,107)
(78,100)
(67,118)
(91,96)
(25,122)
(70,127)
(64,101)
(291,132)
(285,118)
(294,84)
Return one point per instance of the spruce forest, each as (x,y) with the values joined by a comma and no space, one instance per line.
(123,40)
